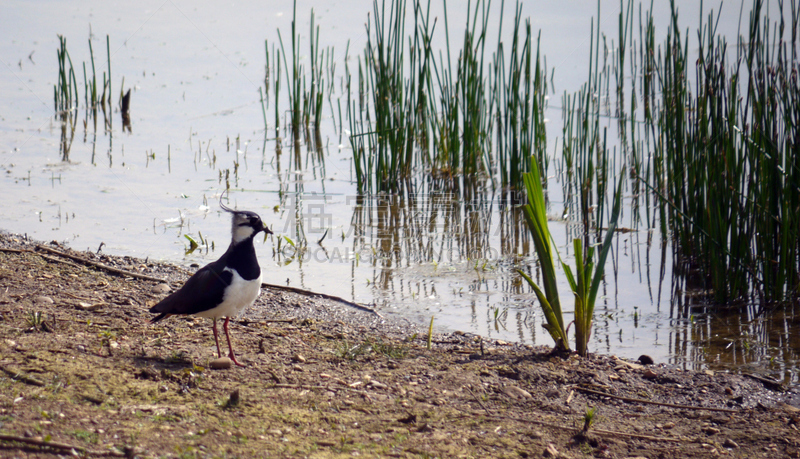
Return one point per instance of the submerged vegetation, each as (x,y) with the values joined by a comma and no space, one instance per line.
(66,98)
(728,150)
(444,115)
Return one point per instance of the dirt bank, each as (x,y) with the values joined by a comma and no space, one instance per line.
(83,371)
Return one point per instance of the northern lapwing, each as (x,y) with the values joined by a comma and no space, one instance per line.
(226,287)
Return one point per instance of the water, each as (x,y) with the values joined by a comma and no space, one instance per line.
(195,69)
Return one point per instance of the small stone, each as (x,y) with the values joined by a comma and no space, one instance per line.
(161,288)
(222,363)
(299,358)
(516,392)
(730,443)
(649,374)
(710,430)
(43,299)
(275,432)
(377,384)
(90,306)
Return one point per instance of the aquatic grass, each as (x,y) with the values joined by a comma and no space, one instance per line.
(535,213)
(728,151)
(426,110)
(586,284)
(65,98)
(295,80)
(588,274)
(108,82)
(519,95)
(387,109)
(314,97)
(585,156)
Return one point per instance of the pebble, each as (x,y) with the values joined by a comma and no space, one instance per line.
(90,306)
(222,363)
(730,443)
(378,384)
(299,358)
(649,374)
(43,299)
(161,288)
(516,392)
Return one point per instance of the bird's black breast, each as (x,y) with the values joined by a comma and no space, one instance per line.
(242,258)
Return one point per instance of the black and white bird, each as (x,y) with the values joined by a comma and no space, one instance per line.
(226,287)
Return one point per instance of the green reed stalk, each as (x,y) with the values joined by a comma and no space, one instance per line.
(295,93)
(108,61)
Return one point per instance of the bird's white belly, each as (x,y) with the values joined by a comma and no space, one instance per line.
(239,295)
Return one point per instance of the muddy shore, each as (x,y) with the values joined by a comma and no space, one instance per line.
(83,372)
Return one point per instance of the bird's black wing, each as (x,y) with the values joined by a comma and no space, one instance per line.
(203,291)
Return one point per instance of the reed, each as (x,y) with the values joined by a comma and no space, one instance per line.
(519,95)
(728,148)
(65,92)
(295,80)
(419,109)
(585,154)
(65,98)
(387,109)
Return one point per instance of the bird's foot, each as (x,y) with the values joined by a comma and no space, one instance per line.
(233,359)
